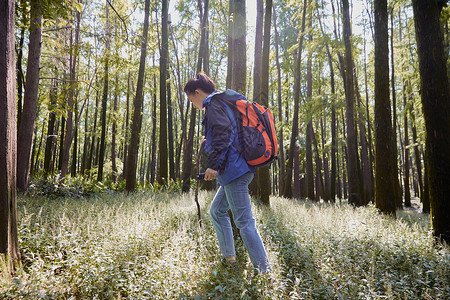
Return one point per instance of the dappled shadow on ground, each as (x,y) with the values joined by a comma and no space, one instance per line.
(299,273)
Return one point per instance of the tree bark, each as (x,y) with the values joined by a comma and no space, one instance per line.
(287,189)
(26,127)
(9,249)
(71,97)
(407,193)
(239,78)
(51,137)
(436,109)
(230,44)
(133,148)
(385,190)
(113,133)
(102,150)
(254,188)
(263,173)
(163,174)
(352,157)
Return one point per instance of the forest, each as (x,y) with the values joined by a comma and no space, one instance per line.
(92,107)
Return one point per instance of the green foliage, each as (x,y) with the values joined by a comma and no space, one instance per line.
(54,187)
(149,246)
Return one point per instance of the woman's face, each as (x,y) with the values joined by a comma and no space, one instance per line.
(197,98)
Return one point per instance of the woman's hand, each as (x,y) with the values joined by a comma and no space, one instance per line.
(203,140)
(210,174)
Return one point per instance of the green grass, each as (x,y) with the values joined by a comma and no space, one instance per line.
(149,246)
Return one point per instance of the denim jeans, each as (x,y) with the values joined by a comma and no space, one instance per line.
(234,196)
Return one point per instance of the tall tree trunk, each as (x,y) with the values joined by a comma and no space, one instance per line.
(332,189)
(352,157)
(417,155)
(369,129)
(239,78)
(254,188)
(26,127)
(309,176)
(281,158)
(9,245)
(133,148)
(51,137)
(407,194)
(126,129)
(263,173)
(93,135)
(258,50)
(153,164)
(73,169)
(230,44)
(171,130)
(102,150)
(19,74)
(163,173)
(287,189)
(366,184)
(396,180)
(436,109)
(189,144)
(385,189)
(86,140)
(71,99)
(114,132)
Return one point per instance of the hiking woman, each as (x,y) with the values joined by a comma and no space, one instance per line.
(230,168)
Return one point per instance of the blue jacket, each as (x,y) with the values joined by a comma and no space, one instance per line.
(221,137)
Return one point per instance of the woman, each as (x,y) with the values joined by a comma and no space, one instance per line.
(231,170)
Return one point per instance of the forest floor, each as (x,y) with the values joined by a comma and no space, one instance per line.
(149,246)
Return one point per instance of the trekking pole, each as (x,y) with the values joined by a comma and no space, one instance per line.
(199,177)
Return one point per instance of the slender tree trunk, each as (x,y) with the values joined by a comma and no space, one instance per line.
(71,99)
(352,158)
(137,104)
(369,129)
(263,173)
(163,173)
(436,109)
(102,150)
(239,78)
(51,137)
(309,176)
(73,169)
(189,144)
(407,194)
(281,158)
(417,155)
(258,50)
(9,248)
(127,118)
(394,117)
(26,127)
(254,188)
(93,136)
(230,44)
(153,164)
(114,132)
(287,189)
(319,178)
(366,186)
(86,140)
(171,130)
(384,170)
(20,77)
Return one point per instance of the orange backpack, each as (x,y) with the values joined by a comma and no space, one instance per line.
(256,131)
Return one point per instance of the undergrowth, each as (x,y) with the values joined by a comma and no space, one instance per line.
(149,245)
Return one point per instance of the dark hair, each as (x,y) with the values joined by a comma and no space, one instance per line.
(202,81)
